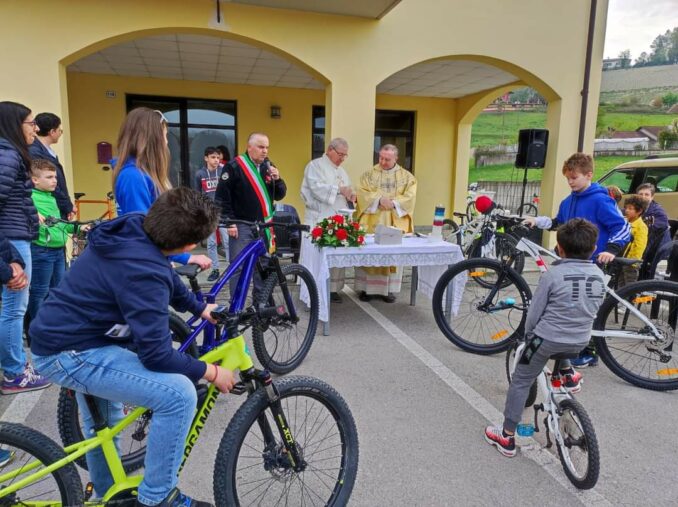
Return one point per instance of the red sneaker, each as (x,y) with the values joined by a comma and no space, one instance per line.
(505,445)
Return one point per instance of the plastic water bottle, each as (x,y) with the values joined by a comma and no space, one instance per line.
(506,302)
(525,429)
(438,217)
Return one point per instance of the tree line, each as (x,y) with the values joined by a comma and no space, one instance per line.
(663,51)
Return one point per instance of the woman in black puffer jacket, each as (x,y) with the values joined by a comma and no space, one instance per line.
(19,224)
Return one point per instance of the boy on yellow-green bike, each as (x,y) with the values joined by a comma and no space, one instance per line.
(105,331)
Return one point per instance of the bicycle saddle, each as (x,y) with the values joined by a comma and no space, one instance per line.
(189,270)
(78,195)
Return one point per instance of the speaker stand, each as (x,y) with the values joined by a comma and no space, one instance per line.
(522,193)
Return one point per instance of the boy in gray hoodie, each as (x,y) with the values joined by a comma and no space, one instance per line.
(559,320)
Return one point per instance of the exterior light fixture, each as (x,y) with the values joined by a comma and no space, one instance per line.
(276,112)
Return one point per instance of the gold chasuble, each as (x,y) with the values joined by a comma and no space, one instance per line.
(399,185)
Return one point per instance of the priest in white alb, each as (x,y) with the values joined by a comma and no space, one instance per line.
(326,189)
(386,195)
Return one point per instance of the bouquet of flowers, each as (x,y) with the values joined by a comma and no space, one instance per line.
(337,231)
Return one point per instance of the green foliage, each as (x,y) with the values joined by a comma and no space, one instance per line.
(669,99)
(664,50)
(667,139)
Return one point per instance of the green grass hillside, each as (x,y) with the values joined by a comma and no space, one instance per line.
(506,172)
(491,129)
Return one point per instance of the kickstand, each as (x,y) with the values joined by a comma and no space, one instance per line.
(549,444)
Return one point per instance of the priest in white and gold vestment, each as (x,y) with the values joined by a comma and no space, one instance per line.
(386,195)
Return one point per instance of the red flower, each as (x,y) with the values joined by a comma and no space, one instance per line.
(361,240)
(338,219)
(317,232)
(342,234)
(356,225)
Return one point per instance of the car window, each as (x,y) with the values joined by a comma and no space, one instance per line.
(621,178)
(664,178)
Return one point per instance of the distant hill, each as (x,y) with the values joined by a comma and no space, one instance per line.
(663,76)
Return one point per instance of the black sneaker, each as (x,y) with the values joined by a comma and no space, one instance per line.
(364,296)
(390,298)
(177,499)
(214,275)
(335,297)
(494,435)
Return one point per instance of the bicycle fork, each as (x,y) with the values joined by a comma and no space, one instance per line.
(290,454)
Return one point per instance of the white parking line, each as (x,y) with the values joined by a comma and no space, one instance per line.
(534,451)
(21,406)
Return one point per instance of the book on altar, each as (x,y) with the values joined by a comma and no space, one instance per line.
(387,235)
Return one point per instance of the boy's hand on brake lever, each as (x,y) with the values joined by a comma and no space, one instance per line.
(530,222)
(223,379)
(605,257)
(207,313)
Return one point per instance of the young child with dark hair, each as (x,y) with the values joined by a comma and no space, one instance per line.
(206,180)
(634,207)
(559,321)
(105,331)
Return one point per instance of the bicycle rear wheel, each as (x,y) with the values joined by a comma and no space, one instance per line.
(132,440)
(282,342)
(527,210)
(19,448)
(578,452)
(451,231)
(251,469)
(480,305)
(651,363)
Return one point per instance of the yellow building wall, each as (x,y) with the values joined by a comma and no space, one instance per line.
(434,143)
(95,118)
(541,42)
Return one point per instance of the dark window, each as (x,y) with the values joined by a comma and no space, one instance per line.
(622,178)
(664,179)
(194,124)
(390,127)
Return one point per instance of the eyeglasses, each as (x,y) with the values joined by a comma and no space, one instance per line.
(341,155)
(31,123)
(163,119)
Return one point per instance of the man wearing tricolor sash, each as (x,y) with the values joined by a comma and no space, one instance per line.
(248,186)
(386,195)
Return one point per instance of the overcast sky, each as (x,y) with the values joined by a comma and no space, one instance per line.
(633,24)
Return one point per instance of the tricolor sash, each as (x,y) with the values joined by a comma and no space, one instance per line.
(251,172)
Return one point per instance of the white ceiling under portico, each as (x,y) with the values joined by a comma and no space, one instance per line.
(220,60)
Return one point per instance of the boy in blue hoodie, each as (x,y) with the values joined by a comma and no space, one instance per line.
(590,201)
(105,331)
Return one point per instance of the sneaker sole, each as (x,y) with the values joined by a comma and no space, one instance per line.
(17,390)
(504,452)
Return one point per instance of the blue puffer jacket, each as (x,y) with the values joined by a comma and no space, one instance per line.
(18,216)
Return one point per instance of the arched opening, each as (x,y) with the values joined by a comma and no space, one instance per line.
(214,90)
(447,94)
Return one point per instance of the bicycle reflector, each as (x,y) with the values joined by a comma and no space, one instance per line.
(484,204)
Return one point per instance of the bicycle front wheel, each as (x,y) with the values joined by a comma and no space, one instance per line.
(451,231)
(254,469)
(578,450)
(650,363)
(282,342)
(480,305)
(23,452)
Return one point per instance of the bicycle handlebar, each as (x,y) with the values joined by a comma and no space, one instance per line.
(51,221)
(265,225)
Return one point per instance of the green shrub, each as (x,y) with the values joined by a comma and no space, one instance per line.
(670,98)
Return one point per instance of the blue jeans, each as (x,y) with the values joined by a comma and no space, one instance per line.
(14,304)
(49,266)
(114,373)
(212,247)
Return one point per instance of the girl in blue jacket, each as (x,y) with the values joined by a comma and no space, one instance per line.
(140,173)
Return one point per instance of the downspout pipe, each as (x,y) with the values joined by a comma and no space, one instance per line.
(587,76)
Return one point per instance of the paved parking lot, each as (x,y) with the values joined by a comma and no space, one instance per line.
(421,404)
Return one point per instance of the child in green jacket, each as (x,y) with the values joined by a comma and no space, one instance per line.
(47,252)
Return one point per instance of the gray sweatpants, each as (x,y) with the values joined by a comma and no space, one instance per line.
(535,356)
